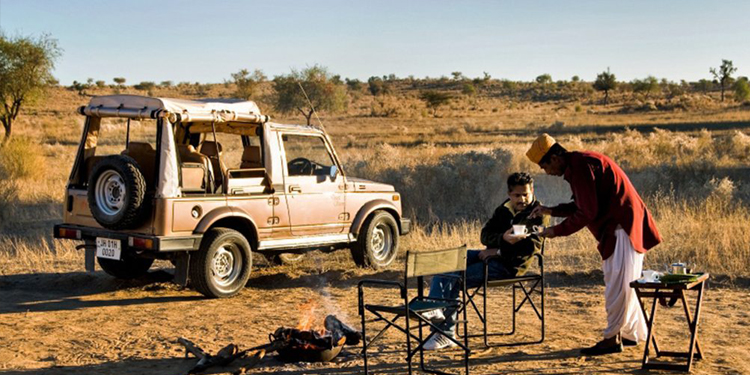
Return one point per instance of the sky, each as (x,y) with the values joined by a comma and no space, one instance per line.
(206,41)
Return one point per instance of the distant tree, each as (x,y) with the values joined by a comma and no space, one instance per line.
(457,76)
(741,89)
(166,84)
(704,85)
(246,83)
(486,77)
(544,79)
(378,87)
(100,83)
(323,93)
(575,79)
(469,89)
(79,87)
(145,86)
(724,75)
(605,81)
(672,89)
(26,65)
(647,86)
(353,84)
(435,99)
(119,81)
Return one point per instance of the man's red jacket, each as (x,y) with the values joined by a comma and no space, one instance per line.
(603,198)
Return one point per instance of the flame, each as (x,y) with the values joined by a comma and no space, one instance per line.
(307,319)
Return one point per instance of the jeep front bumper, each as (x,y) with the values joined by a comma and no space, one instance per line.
(405,226)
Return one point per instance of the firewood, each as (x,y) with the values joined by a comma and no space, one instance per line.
(191,347)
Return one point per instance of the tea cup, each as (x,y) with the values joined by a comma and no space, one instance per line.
(651,276)
(519,230)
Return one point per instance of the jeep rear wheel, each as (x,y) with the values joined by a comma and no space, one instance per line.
(377,242)
(222,266)
(116,192)
(127,268)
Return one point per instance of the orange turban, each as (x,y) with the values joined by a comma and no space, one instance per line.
(540,147)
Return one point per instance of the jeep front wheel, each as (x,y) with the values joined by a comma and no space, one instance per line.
(377,242)
(222,266)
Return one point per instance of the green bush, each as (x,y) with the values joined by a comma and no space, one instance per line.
(741,90)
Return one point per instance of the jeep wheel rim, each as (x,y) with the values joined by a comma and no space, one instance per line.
(110,192)
(226,265)
(381,242)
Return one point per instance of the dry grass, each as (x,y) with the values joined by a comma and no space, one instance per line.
(451,171)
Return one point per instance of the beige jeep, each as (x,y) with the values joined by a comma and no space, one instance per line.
(207,184)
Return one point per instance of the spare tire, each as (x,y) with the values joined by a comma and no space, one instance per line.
(117,192)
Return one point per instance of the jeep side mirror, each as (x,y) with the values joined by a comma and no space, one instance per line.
(334,172)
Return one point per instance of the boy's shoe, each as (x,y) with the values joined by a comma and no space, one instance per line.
(626,342)
(439,341)
(435,316)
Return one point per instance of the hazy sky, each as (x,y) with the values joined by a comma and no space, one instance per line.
(206,41)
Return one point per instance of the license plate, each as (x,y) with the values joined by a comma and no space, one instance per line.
(108,248)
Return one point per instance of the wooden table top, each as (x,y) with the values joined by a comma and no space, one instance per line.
(673,286)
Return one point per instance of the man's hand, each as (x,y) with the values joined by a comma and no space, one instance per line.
(548,233)
(511,238)
(540,211)
(484,254)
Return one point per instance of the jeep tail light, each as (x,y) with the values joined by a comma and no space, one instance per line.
(73,234)
(143,243)
(396,197)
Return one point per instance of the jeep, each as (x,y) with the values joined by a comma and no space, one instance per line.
(208,183)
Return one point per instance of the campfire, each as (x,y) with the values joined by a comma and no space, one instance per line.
(307,344)
(301,344)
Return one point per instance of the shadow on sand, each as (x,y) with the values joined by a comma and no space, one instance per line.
(58,292)
(350,363)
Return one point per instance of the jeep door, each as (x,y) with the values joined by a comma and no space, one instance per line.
(315,197)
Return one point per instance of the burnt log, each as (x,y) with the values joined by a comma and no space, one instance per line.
(339,329)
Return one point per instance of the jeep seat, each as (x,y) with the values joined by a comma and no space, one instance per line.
(145,156)
(197,173)
(213,150)
(251,158)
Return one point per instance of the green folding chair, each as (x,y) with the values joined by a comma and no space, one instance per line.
(530,285)
(418,265)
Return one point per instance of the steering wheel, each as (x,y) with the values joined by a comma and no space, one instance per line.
(300,167)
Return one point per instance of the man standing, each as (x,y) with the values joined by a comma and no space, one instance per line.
(510,255)
(604,201)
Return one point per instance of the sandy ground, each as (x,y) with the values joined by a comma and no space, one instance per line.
(83,323)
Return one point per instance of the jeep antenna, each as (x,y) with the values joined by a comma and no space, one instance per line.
(311,105)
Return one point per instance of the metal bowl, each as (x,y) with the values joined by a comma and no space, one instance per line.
(295,354)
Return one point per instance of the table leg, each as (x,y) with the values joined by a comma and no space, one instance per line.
(693,324)
(650,331)
(645,316)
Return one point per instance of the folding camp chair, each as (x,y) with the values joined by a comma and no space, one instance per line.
(529,284)
(418,265)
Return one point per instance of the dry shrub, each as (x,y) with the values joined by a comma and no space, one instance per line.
(23,256)
(21,158)
(451,187)
(706,233)
(8,199)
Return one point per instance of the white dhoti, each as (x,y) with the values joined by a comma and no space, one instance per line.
(623,310)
